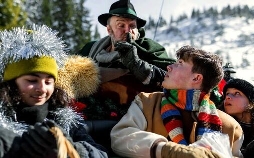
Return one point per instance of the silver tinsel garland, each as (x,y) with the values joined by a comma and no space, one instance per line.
(66,118)
(25,43)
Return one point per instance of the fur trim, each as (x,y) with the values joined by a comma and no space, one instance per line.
(79,77)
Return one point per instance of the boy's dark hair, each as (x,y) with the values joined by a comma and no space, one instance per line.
(206,63)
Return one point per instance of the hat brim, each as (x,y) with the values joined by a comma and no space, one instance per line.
(104,17)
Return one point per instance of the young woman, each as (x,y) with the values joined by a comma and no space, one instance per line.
(239,103)
(30,104)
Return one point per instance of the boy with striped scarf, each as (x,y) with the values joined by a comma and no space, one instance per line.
(163,124)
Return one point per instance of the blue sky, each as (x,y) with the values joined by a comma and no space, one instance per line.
(146,8)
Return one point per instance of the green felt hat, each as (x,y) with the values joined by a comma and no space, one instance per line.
(122,8)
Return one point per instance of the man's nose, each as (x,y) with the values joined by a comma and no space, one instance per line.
(127,29)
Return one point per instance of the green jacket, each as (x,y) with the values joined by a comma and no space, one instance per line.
(148,50)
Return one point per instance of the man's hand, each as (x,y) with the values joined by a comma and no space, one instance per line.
(129,38)
(125,48)
(129,57)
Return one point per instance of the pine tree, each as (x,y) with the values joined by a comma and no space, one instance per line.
(162,22)
(193,14)
(226,11)
(82,25)
(150,24)
(96,33)
(171,21)
(11,14)
(46,10)
(34,11)
(70,18)
(182,17)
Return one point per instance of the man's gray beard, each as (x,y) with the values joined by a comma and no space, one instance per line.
(113,41)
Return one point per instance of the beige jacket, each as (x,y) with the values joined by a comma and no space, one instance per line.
(142,127)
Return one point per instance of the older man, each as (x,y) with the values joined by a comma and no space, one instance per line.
(129,63)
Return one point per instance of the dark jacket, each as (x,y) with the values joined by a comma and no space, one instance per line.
(115,95)
(18,120)
(148,50)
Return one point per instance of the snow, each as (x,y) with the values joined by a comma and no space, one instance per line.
(234,42)
(234,45)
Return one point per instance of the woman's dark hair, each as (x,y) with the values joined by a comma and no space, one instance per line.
(10,96)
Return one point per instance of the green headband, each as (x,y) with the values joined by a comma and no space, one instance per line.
(44,64)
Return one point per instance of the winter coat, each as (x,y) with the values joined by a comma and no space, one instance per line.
(142,127)
(119,86)
(248,130)
(248,143)
(147,49)
(18,120)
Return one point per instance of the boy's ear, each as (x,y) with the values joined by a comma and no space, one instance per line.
(198,78)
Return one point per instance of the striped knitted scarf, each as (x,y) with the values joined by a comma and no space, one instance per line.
(190,100)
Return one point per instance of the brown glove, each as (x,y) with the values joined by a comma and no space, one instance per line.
(174,150)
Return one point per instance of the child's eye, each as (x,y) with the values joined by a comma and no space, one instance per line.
(237,93)
(179,61)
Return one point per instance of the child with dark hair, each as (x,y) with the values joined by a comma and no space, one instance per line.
(239,103)
(35,116)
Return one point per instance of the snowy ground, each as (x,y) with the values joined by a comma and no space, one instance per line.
(234,45)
